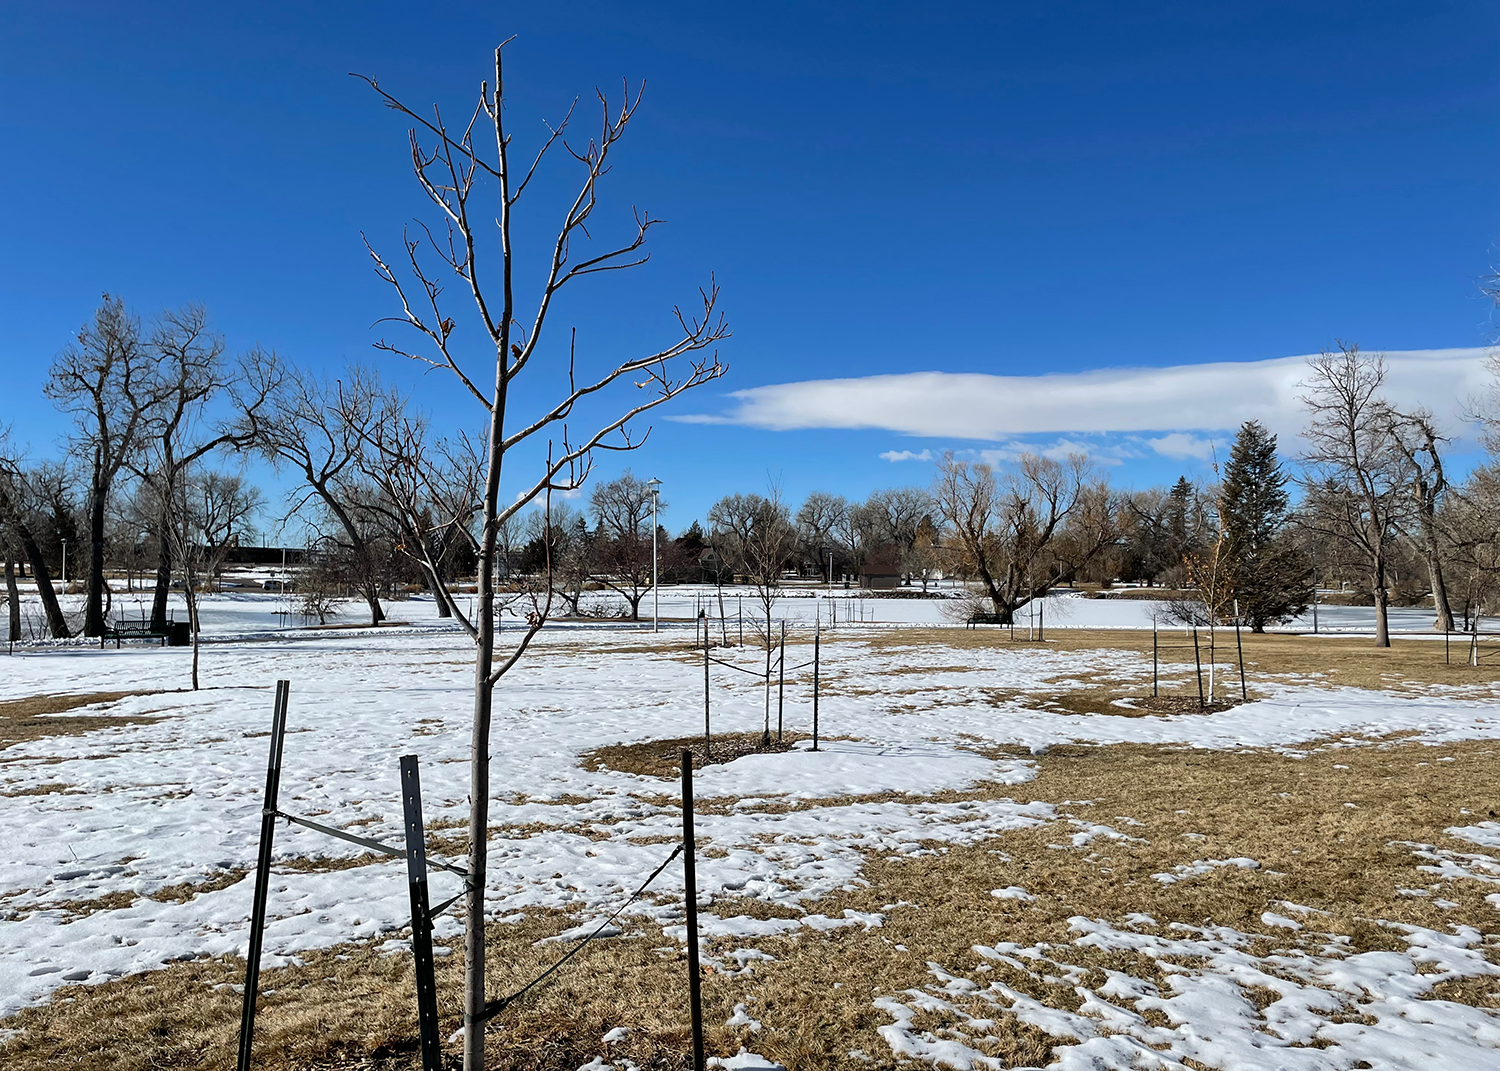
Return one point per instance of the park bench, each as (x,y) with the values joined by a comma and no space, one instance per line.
(986,617)
(136,628)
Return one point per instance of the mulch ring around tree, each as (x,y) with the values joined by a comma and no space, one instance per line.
(663,758)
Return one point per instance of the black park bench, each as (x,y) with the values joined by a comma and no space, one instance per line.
(136,628)
(986,617)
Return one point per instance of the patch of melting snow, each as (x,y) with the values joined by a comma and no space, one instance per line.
(1199,867)
(1332,1011)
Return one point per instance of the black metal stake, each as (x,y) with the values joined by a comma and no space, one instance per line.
(1154,684)
(1041,622)
(690,900)
(817,637)
(1240,647)
(421,922)
(781,683)
(1198,662)
(262,875)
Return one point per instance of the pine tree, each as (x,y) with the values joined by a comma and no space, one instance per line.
(1269,578)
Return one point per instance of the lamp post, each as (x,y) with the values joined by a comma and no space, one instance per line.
(65,565)
(654,485)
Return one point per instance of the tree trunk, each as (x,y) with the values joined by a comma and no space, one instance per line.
(56,623)
(93,609)
(192,608)
(163,578)
(479,813)
(1439,589)
(372,600)
(1382,628)
(13,597)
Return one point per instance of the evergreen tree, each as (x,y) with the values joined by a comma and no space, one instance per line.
(1269,577)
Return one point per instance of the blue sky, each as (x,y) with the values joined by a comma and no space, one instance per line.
(1002,190)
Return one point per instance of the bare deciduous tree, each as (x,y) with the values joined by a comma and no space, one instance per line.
(472,184)
(14,491)
(319,429)
(1353,465)
(1006,526)
(106,380)
(1419,446)
(622,515)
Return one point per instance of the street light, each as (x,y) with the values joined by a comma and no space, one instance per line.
(654,486)
(65,565)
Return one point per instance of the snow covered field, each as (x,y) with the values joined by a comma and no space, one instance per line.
(107,827)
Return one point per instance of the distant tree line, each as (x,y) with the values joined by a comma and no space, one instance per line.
(162,418)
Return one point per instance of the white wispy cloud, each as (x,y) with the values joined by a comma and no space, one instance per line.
(1181,446)
(906,455)
(1214,396)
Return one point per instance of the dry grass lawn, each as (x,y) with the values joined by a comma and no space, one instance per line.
(352,1007)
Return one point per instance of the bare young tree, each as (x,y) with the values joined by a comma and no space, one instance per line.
(1353,465)
(472,184)
(757,534)
(106,380)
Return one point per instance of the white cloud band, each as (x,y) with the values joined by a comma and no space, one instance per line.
(1215,396)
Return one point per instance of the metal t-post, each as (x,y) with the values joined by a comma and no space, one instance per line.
(262,875)
(817,638)
(708,738)
(690,901)
(421,922)
(655,590)
(1198,663)
(1240,648)
(781,683)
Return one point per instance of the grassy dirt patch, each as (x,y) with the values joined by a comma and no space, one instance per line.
(32,718)
(663,758)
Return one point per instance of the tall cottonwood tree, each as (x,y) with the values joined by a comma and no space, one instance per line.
(17,529)
(106,381)
(1353,467)
(467,174)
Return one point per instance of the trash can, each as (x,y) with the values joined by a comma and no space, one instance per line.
(179,634)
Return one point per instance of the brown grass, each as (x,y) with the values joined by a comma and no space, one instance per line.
(29,719)
(663,758)
(1326,660)
(352,1007)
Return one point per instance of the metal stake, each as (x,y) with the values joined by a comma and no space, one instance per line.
(708,739)
(1198,662)
(817,637)
(690,900)
(1240,647)
(262,874)
(421,922)
(781,683)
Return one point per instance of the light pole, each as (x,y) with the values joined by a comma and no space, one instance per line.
(655,487)
(65,566)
